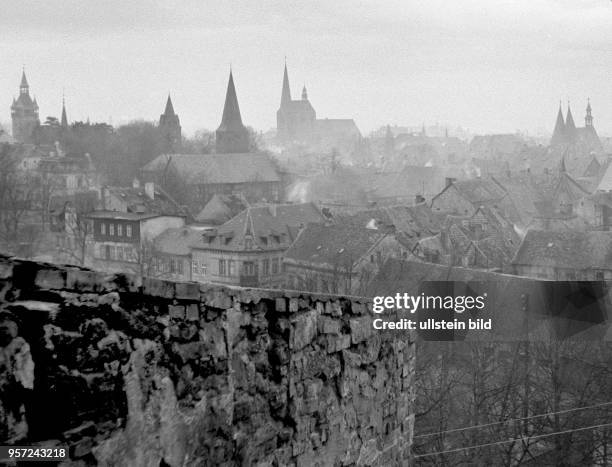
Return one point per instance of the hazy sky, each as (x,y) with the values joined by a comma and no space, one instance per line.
(488,65)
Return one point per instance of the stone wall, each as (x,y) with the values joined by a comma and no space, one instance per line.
(155,373)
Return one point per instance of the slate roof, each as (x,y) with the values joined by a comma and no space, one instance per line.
(566,249)
(270,227)
(221,208)
(333,245)
(137,201)
(218,168)
(409,223)
(177,241)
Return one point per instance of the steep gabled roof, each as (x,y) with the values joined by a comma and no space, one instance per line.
(218,168)
(568,249)
(332,246)
(270,227)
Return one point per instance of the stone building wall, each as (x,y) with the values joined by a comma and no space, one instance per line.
(156,373)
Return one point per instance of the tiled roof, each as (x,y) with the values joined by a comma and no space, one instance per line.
(137,200)
(177,241)
(221,208)
(567,249)
(333,245)
(218,168)
(270,227)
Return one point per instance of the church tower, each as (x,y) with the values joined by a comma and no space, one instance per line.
(170,128)
(231,136)
(559,136)
(588,119)
(24,113)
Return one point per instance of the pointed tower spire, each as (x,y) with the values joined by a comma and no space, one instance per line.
(64,121)
(286,94)
(570,126)
(304,93)
(231,111)
(169,107)
(24,86)
(559,136)
(588,119)
(231,136)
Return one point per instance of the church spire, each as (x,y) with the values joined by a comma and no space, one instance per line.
(24,87)
(231,136)
(231,111)
(588,119)
(286,95)
(570,126)
(304,93)
(64,121)
(559,135)
(169,107)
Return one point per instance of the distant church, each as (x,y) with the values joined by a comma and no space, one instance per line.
(232,136)
(170,128)
(24,113)
(578,141)
(296,120)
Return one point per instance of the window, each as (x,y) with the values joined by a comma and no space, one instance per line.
(179,266)
(194,267)
(103,228)
(202,269)
(173,266)
(120,230)
(571,276)
(265,267)
(222,267)
(113,252)
(274,265)
(128,230)
(599,276)
(249,268)
(120,253)
(248,243)
(231,267)
(111,229)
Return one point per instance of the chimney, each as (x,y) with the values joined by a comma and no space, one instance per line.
(419,199)
(136,183)
(150,189)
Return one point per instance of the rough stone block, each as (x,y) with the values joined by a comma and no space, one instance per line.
(50,279)
(329,325)
(192,312)
(154,287)
(303,330)
(187,290)
(176,311)
(6,270)
(361,329)
(281,304)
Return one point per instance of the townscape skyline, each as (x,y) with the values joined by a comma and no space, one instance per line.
(442,62)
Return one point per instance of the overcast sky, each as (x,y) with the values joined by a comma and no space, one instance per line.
(487,65)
